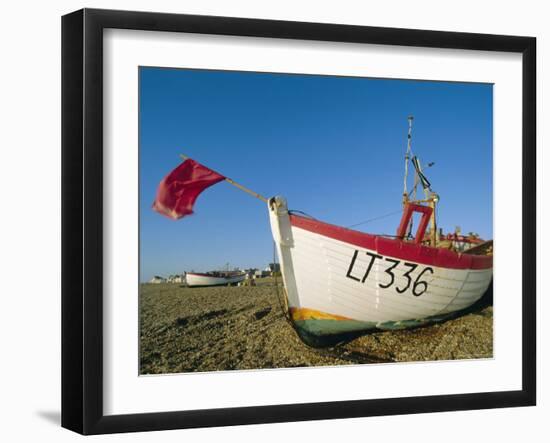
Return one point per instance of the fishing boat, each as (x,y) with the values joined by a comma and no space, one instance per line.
(213,278)
(339,280)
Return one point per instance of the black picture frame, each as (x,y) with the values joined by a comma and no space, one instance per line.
(82,218)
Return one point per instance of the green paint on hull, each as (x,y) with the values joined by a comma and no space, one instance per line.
(403,324)
(327,332)
(326,327)
(329,327)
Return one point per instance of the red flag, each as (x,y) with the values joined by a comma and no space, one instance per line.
(178,191)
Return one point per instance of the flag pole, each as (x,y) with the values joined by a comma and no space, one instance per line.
(237,185)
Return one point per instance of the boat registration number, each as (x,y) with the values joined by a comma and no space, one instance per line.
(419,286)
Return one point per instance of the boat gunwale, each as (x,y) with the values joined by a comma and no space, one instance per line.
(427,255)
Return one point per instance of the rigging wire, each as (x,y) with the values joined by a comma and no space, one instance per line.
(295,211)
(375,218)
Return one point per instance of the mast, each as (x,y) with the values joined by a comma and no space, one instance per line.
(430,197)
(433,232)
(407,158)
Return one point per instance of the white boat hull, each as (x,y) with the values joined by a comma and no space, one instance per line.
(194,280)
(338,280)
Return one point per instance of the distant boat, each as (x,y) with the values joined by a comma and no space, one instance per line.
(340,280)
(214,278)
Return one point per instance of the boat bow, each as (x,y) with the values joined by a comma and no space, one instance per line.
(340,280)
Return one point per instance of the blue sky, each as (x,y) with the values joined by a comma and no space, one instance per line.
(333,146)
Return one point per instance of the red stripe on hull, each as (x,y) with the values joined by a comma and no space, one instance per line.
(425,255)
(214,276)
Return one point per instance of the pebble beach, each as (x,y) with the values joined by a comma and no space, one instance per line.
(186,329)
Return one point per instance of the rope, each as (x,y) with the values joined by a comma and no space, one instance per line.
(295,211)
(285,312)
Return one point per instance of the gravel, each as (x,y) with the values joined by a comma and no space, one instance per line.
(221,328)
